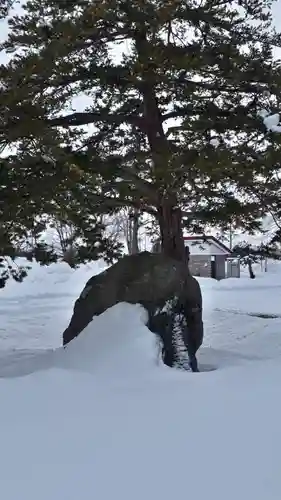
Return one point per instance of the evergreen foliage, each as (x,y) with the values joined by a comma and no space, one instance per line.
(170,124)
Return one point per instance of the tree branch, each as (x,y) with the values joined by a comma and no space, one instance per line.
(107,202)
(67,121)
(247,87)
(146,188)
(209,108)
(76,119)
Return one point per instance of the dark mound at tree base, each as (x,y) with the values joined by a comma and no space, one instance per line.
(164,286)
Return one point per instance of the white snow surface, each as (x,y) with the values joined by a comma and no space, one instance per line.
(272,122)
(105,419)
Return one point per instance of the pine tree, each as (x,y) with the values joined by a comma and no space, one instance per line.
(173,91)
(5,6)
(252,254)
(33,195)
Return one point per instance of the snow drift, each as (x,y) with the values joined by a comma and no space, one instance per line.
(116,342)
(72,435)
(105,421)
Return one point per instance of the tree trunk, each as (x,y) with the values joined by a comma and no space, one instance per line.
(170,219)
(250,268)
(133,223)
(169,214)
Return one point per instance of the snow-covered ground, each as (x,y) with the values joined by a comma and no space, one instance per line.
(103,419)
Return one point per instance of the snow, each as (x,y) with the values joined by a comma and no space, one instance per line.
(114,346)
(105,419)
(48,159)
(215,142)
(36,311)
(272,122)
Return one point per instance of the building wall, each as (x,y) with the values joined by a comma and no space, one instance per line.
(220,266)
(233,268)
(200,265)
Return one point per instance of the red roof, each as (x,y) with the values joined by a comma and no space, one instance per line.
(208,239)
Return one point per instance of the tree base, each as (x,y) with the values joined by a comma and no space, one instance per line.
(163,286)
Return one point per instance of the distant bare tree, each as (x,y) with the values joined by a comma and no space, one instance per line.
(126,225)
(64,238)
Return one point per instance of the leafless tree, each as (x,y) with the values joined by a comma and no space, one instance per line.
(63,240)
(126,225)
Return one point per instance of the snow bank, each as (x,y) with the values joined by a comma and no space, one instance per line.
(116,345)
(116,342)
(34,313)
(105,421)
(260,295)
(55,279)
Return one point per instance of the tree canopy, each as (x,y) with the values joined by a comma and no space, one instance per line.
(150,104)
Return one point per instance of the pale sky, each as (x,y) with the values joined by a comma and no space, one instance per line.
(277,14)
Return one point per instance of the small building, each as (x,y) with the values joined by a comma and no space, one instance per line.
(208,257)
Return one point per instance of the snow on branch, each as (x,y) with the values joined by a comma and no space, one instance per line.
(271,122)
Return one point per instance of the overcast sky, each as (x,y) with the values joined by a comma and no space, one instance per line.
(277,14)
